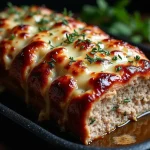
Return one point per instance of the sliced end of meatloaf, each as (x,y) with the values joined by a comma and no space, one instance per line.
(117,107)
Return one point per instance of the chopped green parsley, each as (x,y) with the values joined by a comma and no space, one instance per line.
(12,36)
(127,100)
(52,63)
(118,68)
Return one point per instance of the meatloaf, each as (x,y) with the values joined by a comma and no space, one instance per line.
(71,72)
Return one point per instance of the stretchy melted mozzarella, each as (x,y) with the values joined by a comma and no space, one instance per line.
(72,73)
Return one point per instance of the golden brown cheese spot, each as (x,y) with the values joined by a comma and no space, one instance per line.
(54,37)
(3,22)
(57,58)
(93,30)
(20,28)
(4,27)
(42,10)
(59,24)
(101,82)
(83,44)
(6,48)
(57,54)
(76,23)
(116,52)
(129,71)
(65,32)
(76,68)
(24,62)
(14,43)
(114,44)
(24,35)
(21,31)
(69,23)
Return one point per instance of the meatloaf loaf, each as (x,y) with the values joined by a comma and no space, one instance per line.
(72,73)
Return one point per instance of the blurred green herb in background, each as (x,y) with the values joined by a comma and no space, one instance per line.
(117,20)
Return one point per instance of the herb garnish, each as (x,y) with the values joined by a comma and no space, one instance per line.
(114,58)
(99,49)
(71,60)
(52,63)
(25,7)
(92,120)
(115,108)
(130,61)
(43,29)
(137,57)
(17,19)
(104,51)
(127,100)
(94,50)
(92,60)
(67,13)
(118,68)
(119,56)
(12,36)
(31,14)
(11,9)
(43,21)
(51,44)
(50,34)
(80,41)
(65,22)
(71,37)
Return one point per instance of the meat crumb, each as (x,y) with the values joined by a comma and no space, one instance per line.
(124,139)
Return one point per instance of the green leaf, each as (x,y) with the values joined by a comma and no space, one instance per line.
(148,30)
(119,28)
(122,3)
(102,5)
(122,15)
(89,9)
(117,20)
(92,120)
(127,100)
(137,22)
(136,38)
